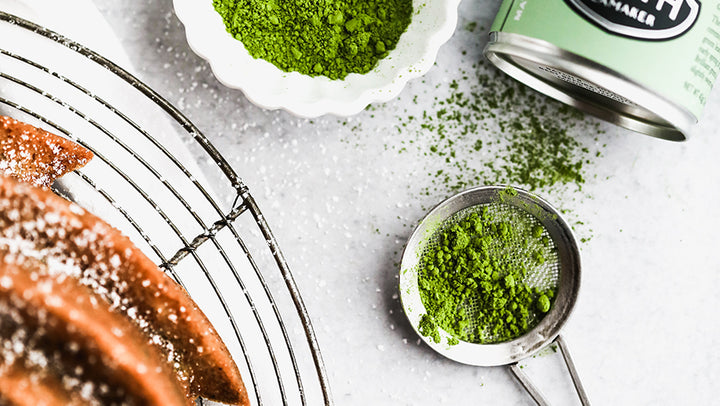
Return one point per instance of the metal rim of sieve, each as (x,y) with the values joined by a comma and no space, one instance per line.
(547,329)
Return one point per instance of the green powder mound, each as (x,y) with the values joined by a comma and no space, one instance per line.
(488,276)
(317,37)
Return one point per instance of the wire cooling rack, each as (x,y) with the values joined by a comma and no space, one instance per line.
(195,218)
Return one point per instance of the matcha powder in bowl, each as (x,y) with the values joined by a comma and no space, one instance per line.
(317,57)
(489,277)
(317,37)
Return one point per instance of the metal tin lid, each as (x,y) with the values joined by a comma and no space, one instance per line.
(588,86)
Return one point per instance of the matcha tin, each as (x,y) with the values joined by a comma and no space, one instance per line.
(647,65)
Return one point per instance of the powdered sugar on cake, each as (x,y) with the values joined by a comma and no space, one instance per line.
(73,243)
(36,156)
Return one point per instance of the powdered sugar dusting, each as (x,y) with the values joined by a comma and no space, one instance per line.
(36,156)
(75,345)
(26,353)
(76,244)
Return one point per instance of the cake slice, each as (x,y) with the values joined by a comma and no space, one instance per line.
(62,344)
(37,223)
(22,386)
(36,156)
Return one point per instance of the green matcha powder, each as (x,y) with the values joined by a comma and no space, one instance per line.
(332,38)
(484,277)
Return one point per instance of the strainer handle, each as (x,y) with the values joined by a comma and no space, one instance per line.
(535,392)
(573,371)
(530,387)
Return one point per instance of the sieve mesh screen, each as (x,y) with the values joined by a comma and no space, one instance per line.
(515,252)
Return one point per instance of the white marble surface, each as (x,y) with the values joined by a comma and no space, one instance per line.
(341,200)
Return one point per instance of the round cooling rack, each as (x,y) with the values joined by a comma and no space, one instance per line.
(194,217)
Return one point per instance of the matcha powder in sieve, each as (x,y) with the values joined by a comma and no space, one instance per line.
(317,37)
(484,277)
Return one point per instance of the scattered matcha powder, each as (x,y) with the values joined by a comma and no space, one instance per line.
(317,37)
(493,130)
(486,276)
(481,127)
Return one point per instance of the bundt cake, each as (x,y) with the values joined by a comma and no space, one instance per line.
(61,344)
(36,156)
(67,252)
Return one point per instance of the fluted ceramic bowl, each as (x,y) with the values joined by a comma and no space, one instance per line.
(433,23)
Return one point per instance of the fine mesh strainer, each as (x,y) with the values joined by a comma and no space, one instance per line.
(560,270)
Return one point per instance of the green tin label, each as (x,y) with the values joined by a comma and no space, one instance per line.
(670,46)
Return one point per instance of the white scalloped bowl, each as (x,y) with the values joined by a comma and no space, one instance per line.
(433,23)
